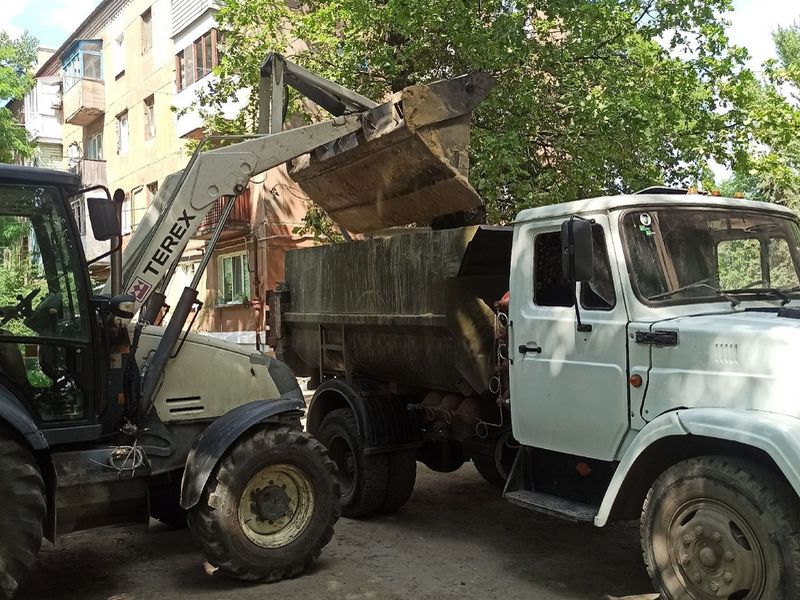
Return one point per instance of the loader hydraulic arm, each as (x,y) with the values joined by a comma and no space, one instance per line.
(187,196)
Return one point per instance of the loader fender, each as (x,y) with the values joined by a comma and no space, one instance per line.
(776,435)
(14,414)
(209,447)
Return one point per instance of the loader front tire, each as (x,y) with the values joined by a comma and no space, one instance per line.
(269,507)
(22,512)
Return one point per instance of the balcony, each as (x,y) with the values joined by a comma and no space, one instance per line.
(238,222)
(92,172)
(84,102)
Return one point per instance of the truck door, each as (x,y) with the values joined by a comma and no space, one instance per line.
(569,388)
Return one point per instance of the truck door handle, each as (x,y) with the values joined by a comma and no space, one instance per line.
(523,349)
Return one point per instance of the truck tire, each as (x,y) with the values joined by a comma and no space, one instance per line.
(364,478)
(165,502)
(22,512)
(269,507)
(402,476)
(721,527)
(495,467)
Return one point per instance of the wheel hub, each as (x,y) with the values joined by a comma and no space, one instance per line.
(271,503)
(276,505)
(715,552)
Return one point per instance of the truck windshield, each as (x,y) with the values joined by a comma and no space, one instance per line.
(683,255)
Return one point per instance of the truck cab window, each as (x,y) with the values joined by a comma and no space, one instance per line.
(549,286)
(599,294)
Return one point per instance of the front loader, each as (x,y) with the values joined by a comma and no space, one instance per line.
(108,419)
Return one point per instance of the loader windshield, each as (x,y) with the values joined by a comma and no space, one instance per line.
(685,255)
(44,312)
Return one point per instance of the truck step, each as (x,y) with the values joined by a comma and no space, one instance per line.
(555,506)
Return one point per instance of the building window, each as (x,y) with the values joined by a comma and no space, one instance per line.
(152,190)
(138,197)
(79,214)
(84,61)
(126,215)
(149,118)
(94,147)
(234,279)
(119,55)
(197,61)
(122,133)
(147,31)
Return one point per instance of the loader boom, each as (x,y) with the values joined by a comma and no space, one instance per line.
(187,196)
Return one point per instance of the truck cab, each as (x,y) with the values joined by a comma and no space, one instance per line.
(662,376)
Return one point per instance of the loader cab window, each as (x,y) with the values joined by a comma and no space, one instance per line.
(44,331)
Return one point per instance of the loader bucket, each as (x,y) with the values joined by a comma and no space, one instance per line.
(408,164)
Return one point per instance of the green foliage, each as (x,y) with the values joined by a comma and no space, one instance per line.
(771,171)
(17,56)
(19,274)
(592,97)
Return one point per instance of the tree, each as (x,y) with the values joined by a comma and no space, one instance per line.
(17,56)
(592,97)
(771,171)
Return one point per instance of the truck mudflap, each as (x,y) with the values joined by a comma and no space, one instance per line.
(409,163)
(222,433)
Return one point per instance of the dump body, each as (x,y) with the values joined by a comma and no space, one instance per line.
(419,312)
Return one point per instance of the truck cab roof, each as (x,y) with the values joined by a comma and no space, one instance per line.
(609,203)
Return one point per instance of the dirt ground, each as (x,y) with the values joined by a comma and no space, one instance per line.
(456,538)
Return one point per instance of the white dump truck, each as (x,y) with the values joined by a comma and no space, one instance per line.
(641,367)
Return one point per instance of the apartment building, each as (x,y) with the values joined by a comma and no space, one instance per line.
(114,85)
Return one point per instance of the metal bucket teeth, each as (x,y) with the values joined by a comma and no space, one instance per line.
(409,163)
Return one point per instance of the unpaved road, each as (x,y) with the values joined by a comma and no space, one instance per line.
(456,539)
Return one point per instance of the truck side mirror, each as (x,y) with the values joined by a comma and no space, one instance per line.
(577,256)
(103,215)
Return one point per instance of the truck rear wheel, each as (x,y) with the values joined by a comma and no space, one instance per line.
(402,475)
(364,478)
(22,513)
(720,527)
(269,507)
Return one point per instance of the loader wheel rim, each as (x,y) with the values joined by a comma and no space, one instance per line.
(276,506)
(715,552)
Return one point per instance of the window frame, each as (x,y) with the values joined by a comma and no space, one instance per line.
(149,110)
(188,60)
(245,277)
(146,30)
(123,146)
(584,285)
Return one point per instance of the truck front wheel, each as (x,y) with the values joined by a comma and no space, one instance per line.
(719,527)
(269,507)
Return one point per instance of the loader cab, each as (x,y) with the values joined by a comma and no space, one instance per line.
(50,332)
